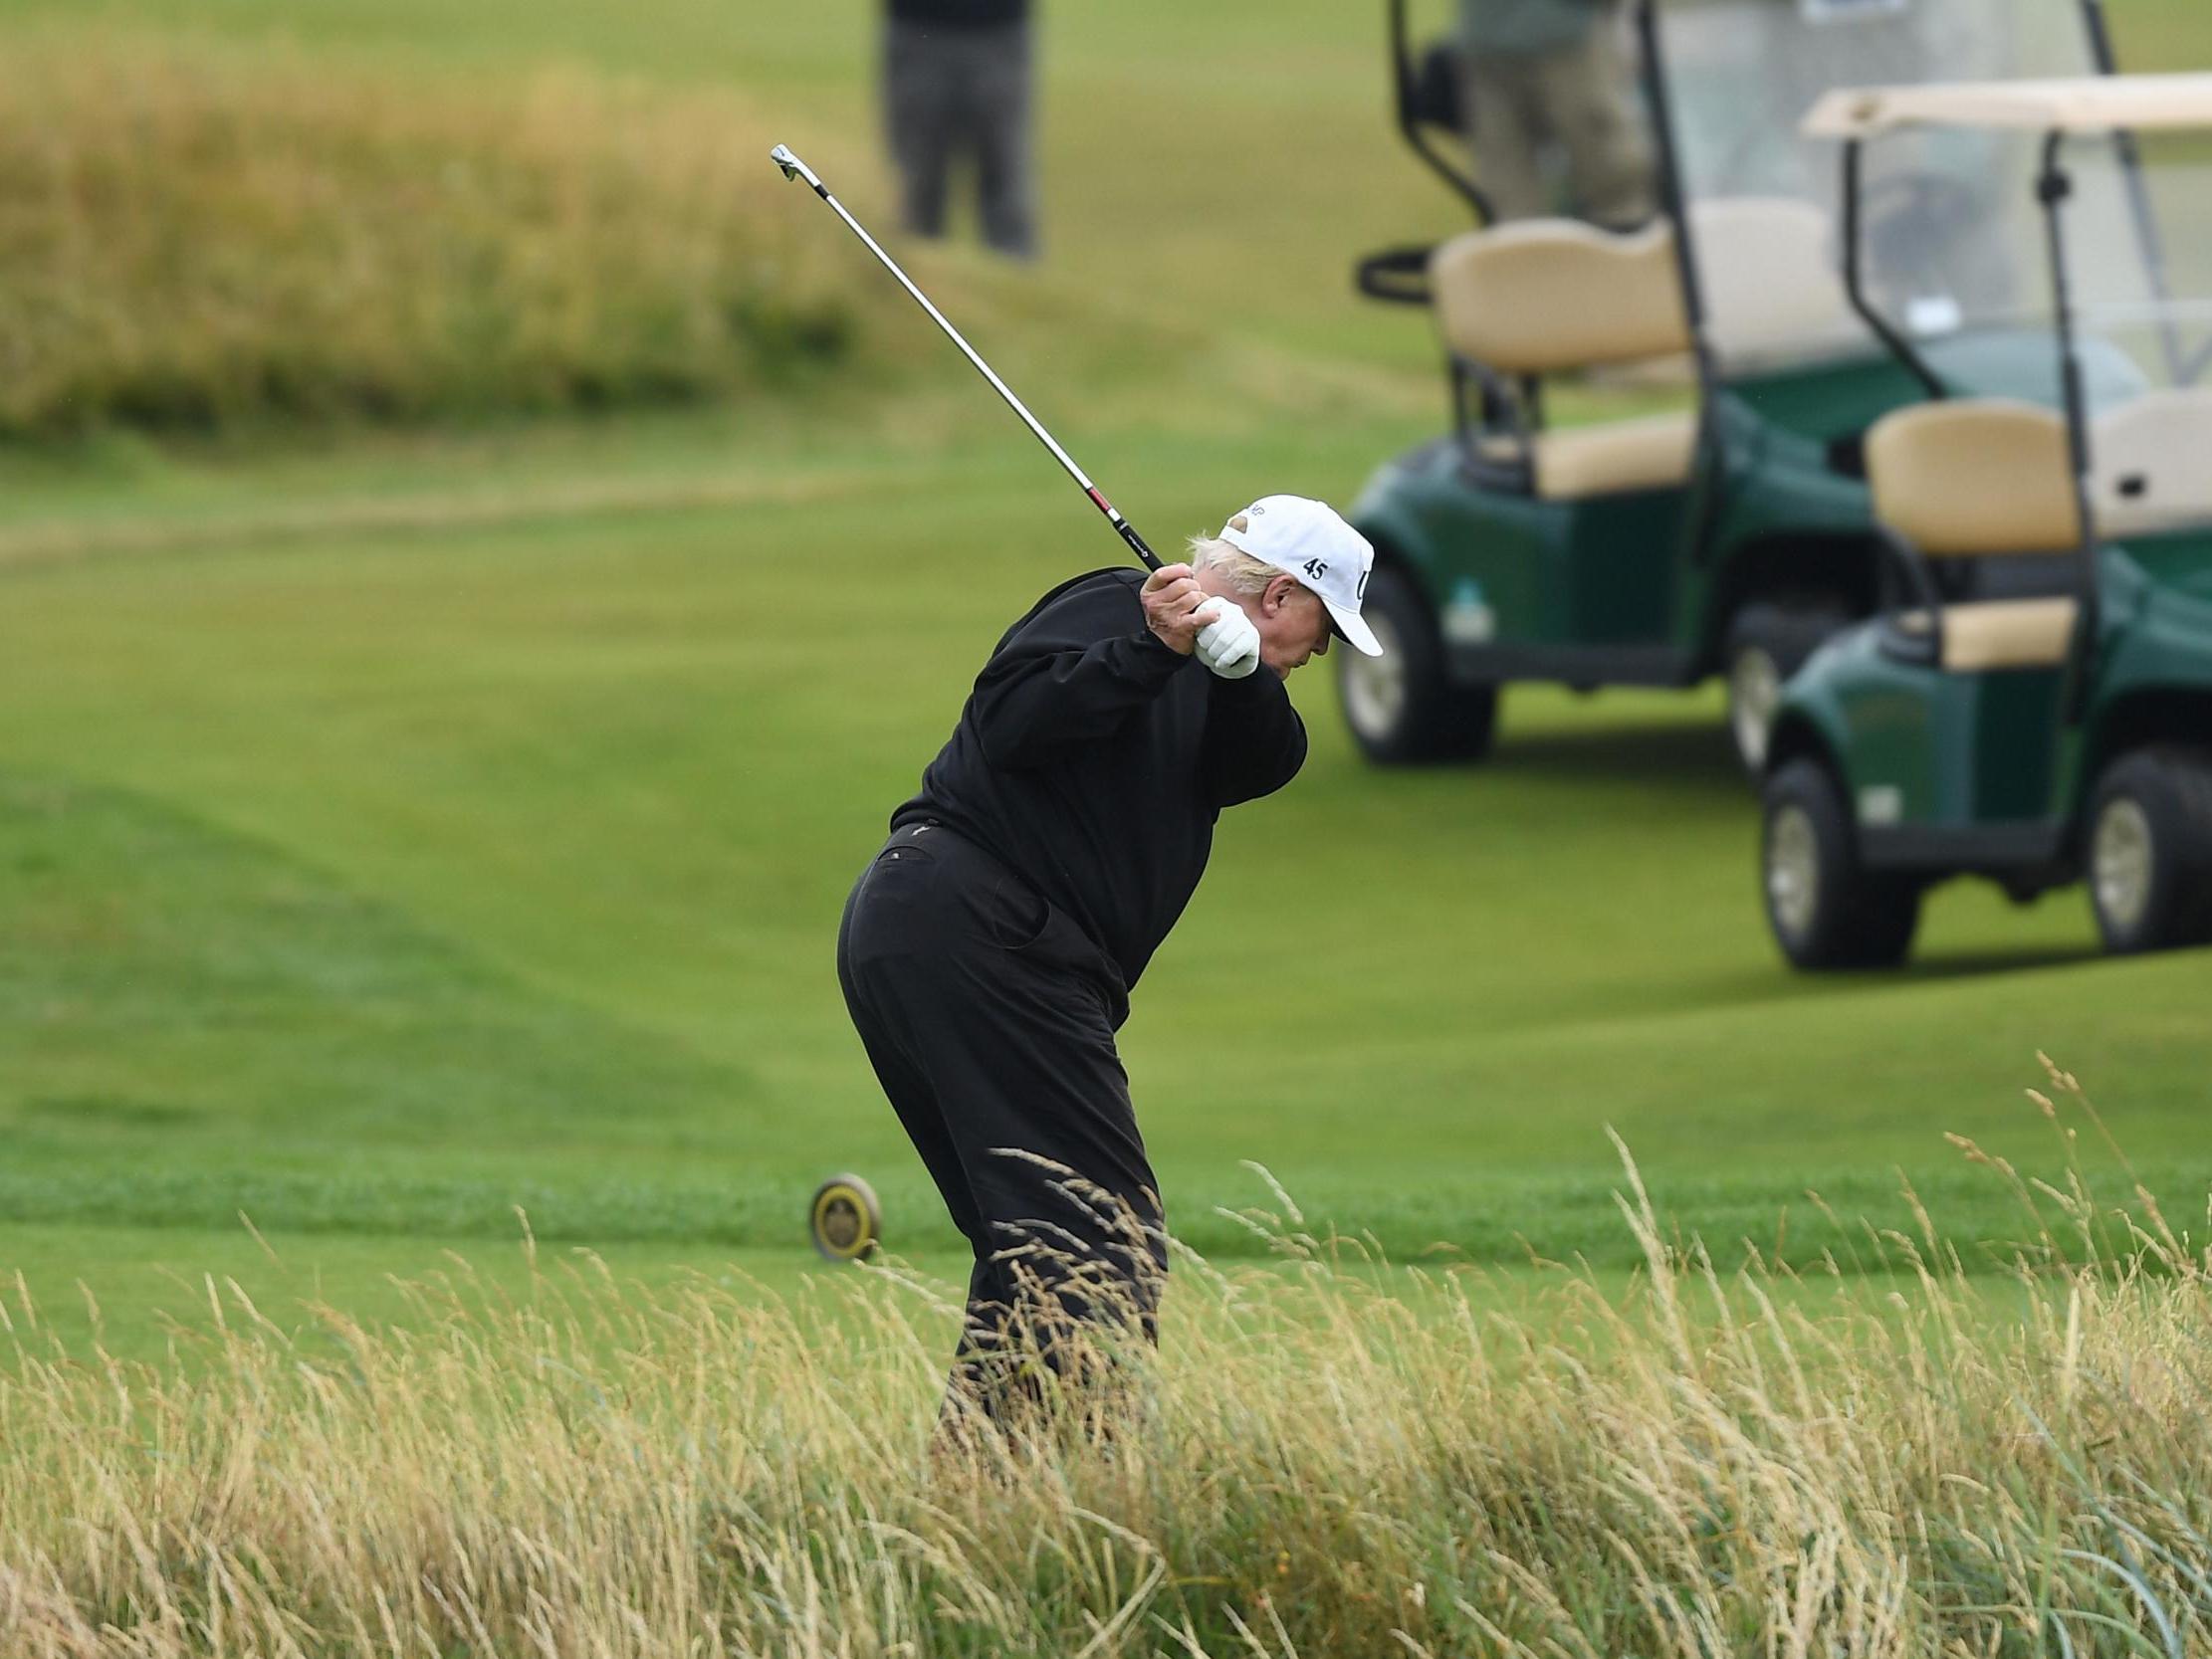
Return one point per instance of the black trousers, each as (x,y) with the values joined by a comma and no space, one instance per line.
(989,1015)
(955,93)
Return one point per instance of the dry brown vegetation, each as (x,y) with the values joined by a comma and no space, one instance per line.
(1962,1466)
(193,236)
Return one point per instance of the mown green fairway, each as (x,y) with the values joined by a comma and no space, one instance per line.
(382,882)
(398,832)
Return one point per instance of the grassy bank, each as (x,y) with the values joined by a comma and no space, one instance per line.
(1690,1464)
(257,221)
(203,237)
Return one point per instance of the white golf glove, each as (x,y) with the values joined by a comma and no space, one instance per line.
(1228,644)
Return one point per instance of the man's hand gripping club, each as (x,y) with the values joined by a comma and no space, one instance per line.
(1188,619)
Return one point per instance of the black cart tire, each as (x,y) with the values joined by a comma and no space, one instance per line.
(1401,706)
(1826,909)
(843,1219)
(1767,641)
(2149,851)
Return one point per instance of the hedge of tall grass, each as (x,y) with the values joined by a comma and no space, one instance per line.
(195,236)
(1320,1468)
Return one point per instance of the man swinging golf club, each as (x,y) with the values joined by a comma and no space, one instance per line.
(988,953)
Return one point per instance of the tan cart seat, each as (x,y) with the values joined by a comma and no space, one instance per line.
(1770,269)
(1539,295)
(2151,463)
(1969,477)
(1654,452)
(2002,633)
(1965,476)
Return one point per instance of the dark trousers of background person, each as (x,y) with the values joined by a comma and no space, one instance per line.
(989,1015)
(953,96)
(1581,102)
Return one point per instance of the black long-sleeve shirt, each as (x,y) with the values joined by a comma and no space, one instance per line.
(1093,760)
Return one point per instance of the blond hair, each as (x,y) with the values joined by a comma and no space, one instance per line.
(1243,572)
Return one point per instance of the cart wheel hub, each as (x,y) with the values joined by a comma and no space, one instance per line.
(1792,869)
(1375,687)
(2120,862)
(1754,689)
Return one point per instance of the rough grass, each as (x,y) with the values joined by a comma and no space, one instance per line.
(197,237)
(1703,1465)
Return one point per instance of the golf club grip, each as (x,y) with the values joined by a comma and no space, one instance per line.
(1122,526)
(1137,544)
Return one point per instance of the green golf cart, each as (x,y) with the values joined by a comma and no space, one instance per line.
(2034,704)
(1725,527)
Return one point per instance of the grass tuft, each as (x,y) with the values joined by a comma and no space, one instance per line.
(197,238)
(1321,1459)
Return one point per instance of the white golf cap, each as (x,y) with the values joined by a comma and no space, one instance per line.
(1306,538)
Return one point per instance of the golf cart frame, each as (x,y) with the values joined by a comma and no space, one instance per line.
(1737,551)
(1897,760)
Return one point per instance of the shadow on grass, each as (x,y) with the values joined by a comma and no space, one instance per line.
(1975,965)
(1688,760)
(1783,984)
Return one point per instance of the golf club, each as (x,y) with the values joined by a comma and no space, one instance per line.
(793,167)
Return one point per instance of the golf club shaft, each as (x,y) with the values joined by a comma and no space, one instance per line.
(793,167)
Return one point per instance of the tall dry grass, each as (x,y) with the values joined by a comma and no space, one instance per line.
(195,236)
(1321,1467)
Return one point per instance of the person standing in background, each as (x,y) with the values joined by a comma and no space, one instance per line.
(956,84)
(1552,77)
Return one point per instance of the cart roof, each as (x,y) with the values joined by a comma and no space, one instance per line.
(2091,103)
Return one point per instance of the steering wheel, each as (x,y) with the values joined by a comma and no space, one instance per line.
(1922,231)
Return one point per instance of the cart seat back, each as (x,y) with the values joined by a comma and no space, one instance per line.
(1969,476)
(1539,295)
(1963,477)
(2150,463)
(1769,270)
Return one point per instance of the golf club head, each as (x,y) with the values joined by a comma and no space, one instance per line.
(792,167)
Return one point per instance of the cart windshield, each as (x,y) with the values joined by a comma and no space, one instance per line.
(1980,304)
(1764,201)
(2138,265)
